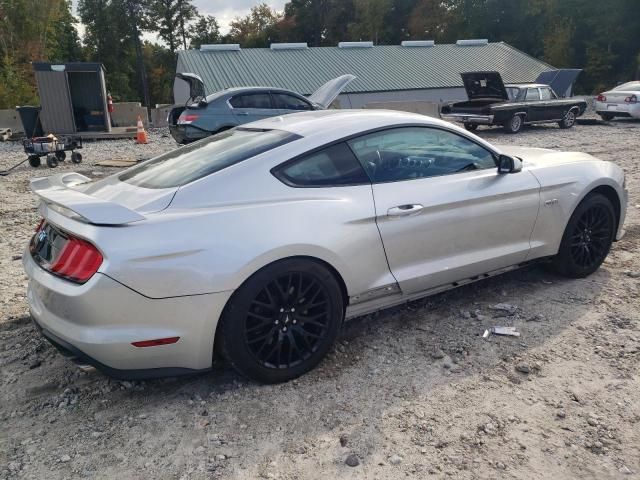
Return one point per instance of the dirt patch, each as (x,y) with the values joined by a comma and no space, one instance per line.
(412,392)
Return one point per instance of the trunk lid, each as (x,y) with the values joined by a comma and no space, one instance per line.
(328,92)
(106,202)
(196,86)
(487,85)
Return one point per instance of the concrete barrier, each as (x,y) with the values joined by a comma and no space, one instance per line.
(125,114)
(11,119)
(430,109)
(159,115)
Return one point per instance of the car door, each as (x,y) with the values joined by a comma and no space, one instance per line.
(533,105)
(252,106)
(287,103)
(443,211)
(550,108)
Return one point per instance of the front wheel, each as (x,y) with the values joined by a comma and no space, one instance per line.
(514,125)
(587,237)
(282,321)
(569,120)
(472,127)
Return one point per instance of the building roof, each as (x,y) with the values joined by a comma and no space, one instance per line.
(378,68)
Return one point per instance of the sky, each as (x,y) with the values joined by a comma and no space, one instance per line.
(224,11)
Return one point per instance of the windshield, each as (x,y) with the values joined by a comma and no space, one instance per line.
(212,154)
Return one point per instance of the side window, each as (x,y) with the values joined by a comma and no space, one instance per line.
(251,100)
(545,94)
(410,153)
(332,166)
(532,95)
(289,102)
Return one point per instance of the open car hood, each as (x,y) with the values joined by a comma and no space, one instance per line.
(561,81)
(484,85)
(196,85)
(328,92)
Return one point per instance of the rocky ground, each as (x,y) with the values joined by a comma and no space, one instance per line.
(412,392)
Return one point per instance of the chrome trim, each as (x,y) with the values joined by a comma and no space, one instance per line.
(467,118)
(375,293)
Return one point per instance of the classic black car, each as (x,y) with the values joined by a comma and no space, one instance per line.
(491,102)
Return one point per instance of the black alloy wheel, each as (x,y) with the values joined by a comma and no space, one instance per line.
(587,238)
(287,320)
(282,321)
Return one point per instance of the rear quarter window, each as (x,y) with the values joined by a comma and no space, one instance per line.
(189,163)
(332,166)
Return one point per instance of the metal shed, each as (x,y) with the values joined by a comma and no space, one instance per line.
(414,71)
(73,97)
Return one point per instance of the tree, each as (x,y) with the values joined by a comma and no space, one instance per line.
(205,31)
(256,29)
(170,19)
(370,18)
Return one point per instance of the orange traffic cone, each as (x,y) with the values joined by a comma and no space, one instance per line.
(141,134)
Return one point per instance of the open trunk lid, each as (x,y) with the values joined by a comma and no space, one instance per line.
(328,92)
(487,85)
(106,202)
(196,85)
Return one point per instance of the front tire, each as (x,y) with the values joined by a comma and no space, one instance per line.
(514,125)
(569,120)
(282,321)
(587,237)
(472,127)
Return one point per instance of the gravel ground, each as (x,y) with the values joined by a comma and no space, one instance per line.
(410,392)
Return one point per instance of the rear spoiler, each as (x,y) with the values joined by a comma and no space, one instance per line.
(57,191)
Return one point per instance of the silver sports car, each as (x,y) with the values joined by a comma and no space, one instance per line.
(259,241)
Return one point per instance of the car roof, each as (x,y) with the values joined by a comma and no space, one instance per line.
(343,123)
(229,92)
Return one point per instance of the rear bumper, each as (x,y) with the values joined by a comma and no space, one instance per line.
(468,118)
(631,110)
(187,133)
(97,322)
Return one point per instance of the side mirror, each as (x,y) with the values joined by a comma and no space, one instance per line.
(507,164)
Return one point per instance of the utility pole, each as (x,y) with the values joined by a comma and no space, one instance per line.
(136,40)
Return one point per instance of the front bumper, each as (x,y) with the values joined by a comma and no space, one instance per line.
(468,118)
(97,322)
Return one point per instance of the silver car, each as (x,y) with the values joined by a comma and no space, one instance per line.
(259,241)
(622,101)
(204,116)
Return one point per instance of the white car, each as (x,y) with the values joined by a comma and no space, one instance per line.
(259,241)
(622,101)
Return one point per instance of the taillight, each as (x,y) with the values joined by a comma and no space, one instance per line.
(601,98)
(78,261)
(188,118)
(631,99)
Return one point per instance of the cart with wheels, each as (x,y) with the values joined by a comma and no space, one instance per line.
(54,149)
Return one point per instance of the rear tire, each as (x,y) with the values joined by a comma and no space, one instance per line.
(569,120)
(607,117)
(282,321)
(514,125)
(587,237)
(472,127)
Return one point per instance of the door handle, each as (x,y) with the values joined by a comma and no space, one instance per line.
(404,210)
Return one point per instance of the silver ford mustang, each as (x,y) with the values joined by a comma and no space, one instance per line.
(259,241)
